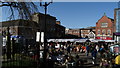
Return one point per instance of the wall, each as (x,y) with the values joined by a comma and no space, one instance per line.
(110,26)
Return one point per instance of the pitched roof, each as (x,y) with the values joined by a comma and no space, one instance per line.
(107,17)
(111,19)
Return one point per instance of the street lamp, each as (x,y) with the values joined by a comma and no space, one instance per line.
(8,44)
(45,39)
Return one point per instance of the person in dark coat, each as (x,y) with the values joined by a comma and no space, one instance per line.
(87,50)
(68,49)
(94,54)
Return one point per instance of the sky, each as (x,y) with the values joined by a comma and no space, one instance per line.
(77,14)
(81,14)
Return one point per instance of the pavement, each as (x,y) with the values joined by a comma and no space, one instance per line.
(87,61)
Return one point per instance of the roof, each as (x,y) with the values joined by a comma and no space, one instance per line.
(89,28)
(18,22)
(112,20)
(44,14)
(59,25)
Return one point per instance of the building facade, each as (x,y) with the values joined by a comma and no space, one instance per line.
(73,32)
(117,19)
(105,27)
(91,35)
(59,30)
(88,32)
(117,23)
(82,32)
(24,31)
(50,24)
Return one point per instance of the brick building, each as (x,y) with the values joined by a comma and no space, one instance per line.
(50,24)
(82,32)
(54,29)
(24,31)
(73,32)
(59,30)
(105,27)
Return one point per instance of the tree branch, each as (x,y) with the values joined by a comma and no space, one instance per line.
(25,9)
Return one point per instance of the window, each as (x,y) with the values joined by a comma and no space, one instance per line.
(81,31)
(109,32)
(70,31)
(76,31)
(88,30)
(104,24)
(103,31)
(91,35)
(98,31)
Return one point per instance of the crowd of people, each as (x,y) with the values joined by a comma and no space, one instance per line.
(69,54)
(61,54)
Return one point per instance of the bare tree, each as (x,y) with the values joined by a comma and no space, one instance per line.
(24,9)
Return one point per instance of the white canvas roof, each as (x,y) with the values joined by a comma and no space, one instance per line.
(77,40)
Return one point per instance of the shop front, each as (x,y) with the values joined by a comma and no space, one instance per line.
(104,38)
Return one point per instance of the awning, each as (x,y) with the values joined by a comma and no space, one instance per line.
(61,40)
(79,40)
(117,33)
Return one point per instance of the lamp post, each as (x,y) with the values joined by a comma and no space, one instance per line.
(45,29)
(8,43)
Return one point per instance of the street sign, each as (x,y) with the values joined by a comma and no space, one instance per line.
(42,36)
(38,37)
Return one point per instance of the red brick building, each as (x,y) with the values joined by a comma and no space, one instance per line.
(81,32)
(75,32)
(105,28)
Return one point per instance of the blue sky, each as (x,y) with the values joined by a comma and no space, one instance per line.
(78,14)
(81,14)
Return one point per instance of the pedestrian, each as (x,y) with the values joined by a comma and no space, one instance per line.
(104,63)
(83,48)
(77,61)
(77,48)
(87,50)
(102,50)
(70,62)
(94,54)
(117,61)
(68,49)
(97,48)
